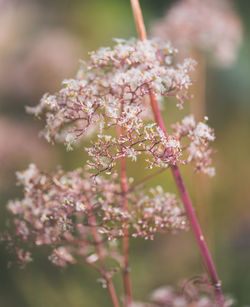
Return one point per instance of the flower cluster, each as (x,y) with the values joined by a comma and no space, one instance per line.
(110,94)
(61,210)
(208,25)
(113,80)
(199,136)
(159,150)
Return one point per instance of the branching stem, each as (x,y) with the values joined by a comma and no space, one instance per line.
(207,259)
(125,240)
(100,254)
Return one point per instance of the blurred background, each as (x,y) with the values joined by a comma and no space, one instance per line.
(41,43)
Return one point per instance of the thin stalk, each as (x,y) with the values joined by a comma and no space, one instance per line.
(100,254)
(125,240)
(207,259)
(126,268)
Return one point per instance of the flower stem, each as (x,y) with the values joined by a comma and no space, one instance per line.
(125,241)
(100,254)
(126,269)
(207,259)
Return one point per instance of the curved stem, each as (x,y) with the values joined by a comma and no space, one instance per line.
(100,254)
(207,259)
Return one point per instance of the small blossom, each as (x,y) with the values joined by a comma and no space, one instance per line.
(202,131)
(199,136)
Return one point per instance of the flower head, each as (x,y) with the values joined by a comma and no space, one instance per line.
(111,89)
(58,210)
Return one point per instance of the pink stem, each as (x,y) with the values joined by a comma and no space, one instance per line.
(207,259)
(126,275)
(100,254)
(125,242)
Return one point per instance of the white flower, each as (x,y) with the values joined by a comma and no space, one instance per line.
(80,206)
(210,171)
(26,176)
(203,131)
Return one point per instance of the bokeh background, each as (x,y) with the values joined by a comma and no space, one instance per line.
(41,43)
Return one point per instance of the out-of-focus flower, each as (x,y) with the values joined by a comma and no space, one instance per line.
(15,23)
(47,60)
(208,25)
(33,58)
(196,296)
(15,18)
(50,58)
